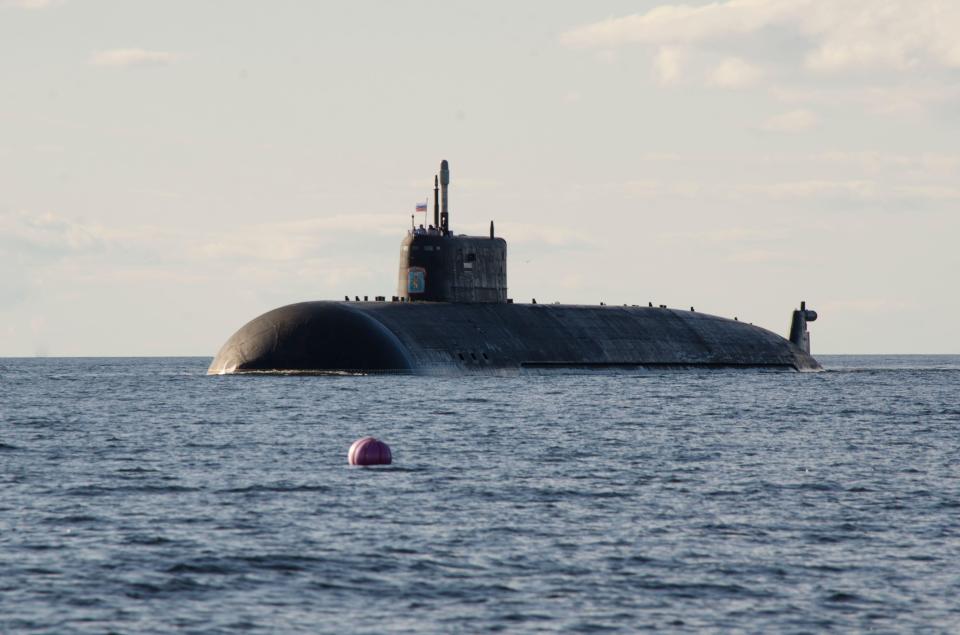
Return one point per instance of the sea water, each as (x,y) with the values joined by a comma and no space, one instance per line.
(141,496)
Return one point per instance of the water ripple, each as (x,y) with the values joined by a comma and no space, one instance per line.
(142,496)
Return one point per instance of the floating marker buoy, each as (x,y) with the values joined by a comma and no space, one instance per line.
(369,451)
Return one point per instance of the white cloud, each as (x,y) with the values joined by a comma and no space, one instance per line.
(28,4)
(682,24)
(817,189)
(926,164)
(22,230)
(854,189)
(793,121)
(667,64)
(897,182)
(124,58)
(734,72)
(607,56)
(292,241)
(758,256)
(44,239)
(645,189)
(852,34)
(928,192)
(866,34)
(727,235)
(910,97)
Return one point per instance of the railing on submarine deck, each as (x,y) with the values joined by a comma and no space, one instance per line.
(421,231)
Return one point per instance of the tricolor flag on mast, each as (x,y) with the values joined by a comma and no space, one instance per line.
(422,207)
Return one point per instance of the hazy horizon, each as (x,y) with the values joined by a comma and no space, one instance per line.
(169,171)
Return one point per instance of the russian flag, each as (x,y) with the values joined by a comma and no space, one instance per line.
(422,207)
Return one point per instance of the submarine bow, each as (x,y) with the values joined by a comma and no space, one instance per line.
(312,337)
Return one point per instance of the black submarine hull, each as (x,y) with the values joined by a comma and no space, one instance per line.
(445,337)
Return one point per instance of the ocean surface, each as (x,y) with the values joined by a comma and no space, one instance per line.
(141,496)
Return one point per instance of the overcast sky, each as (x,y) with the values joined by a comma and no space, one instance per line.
(171,169)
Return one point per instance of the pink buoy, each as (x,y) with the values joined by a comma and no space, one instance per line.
(369,451)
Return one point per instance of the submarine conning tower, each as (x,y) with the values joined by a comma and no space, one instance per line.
(437,265)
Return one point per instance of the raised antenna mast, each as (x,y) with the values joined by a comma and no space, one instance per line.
(436,202)
(444,182)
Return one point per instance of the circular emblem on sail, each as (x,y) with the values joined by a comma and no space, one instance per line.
(416,280)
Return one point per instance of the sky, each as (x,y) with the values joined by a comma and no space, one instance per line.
(170,170)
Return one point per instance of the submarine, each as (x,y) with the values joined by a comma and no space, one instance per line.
(452,314)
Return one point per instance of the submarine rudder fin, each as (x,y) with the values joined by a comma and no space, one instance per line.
(799,334)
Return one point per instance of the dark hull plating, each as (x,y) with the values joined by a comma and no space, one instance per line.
(440,337)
